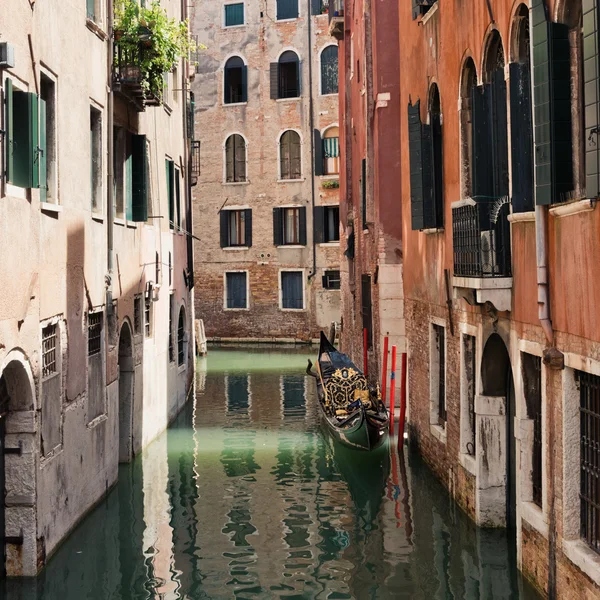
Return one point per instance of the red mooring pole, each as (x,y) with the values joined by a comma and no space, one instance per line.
(384,373)
(366,351)
(402,402)
(392,389)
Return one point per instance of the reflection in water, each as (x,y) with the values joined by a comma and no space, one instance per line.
(246,497)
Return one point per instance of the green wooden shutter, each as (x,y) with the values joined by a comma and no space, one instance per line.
(415,151)
(591,97)
(318,152)
(170,168)
(34,138)
(177,178)
(483,183)
(43,154)
(427,169)
(277,226)
(499,134)
(9,130)
(244,83)
(91,9)
(25,139)
(248,227)
(139,178)
(129,183)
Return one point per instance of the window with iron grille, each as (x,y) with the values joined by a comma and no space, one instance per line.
(532,385)
(137,315)
(49,350)
(439,340)
(331,280)
(181,337)
(171,332)
(148,319)
(589,473)
(94,333)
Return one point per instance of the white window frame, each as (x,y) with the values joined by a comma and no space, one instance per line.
(302,272)
(223,25)
(247,307)
(439,432)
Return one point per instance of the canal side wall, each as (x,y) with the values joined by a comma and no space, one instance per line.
(76,401)
(261,121)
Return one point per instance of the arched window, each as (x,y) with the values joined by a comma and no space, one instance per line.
(435,121)
(329,70)
(468,83)
(289,75)
(235,159)
(181,337)
(331,151)
(289,155)
(235,84)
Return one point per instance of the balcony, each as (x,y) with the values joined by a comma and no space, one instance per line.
(129,78)
(336,19)
(481,243)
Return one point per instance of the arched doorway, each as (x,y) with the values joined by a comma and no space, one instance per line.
(126,379)
(497,383)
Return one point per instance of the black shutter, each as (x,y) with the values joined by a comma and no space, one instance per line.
(274,80)
(244,83)
(482,137)
(224,229)
(226,86)
(315,7)
(416,166)
(277,227)
(318,152)
(499,134)
(299,78)
(427,167)
(302,232)
(319,224)
(521,138)
(139,178)
(591,97)
(363,191)
(248,227)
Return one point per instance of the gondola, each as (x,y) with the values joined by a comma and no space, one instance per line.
(352,410)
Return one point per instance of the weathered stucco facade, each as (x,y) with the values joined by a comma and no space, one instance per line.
(260,121)
(87,377)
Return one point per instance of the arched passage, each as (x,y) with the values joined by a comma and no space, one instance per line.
(126,379)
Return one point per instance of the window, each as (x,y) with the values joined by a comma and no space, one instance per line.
(96,159)
(236,228)
(235,159)
(94,333)
(467,84)
(420,7)
(285,76)
(181,337)
(329,70)
(331,280)
(289,226)
(589,411)
(468,378)
(235,85)
(366,308)
(234,14)
(51,389)
(171,333)
(119,158)
(236,295)
(435,120)
(292,291)
(21,137)
(287,9)
(438,374)
(49,348)
(289,156)
(331,151)
(95,366)
(139,179)
(532,387)
(91,9)
(363,192)
(47,140)
(148,318)
(177,178)
(170,168)
(137,315)
(327,224)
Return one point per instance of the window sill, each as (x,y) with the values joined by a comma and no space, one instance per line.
(235,248)
(119,221)
(236,309)
(432,230)
(291,180)
(287,20)
(469,463)
(226,27)
(439,433)
(236,182)
(335,176)
(572,208)
(290,247)
(14,191)
(292,309)
(294,99)
(329,95)
(583,557)
(181,369)
(330,244)
(331,289)
(95,422)
(98,217)
(535,517)
(522,217)
(234,104)
(50,207)
(131,225)
(96,29)
(167,108)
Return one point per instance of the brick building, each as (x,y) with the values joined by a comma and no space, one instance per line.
(268,216)
(500,247)
(370,206)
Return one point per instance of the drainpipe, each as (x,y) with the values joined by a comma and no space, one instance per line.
(312,137)
(110,188)
(541,248)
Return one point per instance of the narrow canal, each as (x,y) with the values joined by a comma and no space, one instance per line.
(245,497)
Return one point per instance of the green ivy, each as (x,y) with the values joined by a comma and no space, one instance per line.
(331,184)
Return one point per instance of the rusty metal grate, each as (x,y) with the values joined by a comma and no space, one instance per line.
(49,348)
(180,338)
(589,411)
(137,315)
(94,333)
(147,318)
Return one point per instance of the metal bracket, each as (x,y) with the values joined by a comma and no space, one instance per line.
(18,450)
(16,540)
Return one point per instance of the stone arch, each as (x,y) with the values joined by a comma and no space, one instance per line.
(494,56)
(495,365)
(18,459)
(519,35)
(468,81)
(126,393)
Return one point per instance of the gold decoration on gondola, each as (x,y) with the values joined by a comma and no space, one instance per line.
(344,387)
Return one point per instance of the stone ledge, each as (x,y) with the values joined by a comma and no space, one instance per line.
(572,208)
(522,217)
(583,557)
(439,433)
(468,462)
(534,516)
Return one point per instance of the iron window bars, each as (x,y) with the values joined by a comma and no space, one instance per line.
(94,333)
(49,347)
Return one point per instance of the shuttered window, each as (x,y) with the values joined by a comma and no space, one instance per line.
(235,158)
(235,86)
(591,75)
(329,70)
(290,157)
(289,226)
(139,179)
(236,296)
(236,228)
(327,224)
(287,9)
(551,108)
(170,173)
(363,191)
(96,159)
(435,118)
(234,14)
(177,179)
(285,76)
(331,280)
(292,293)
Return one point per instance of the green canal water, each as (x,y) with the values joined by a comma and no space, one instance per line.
(246,497)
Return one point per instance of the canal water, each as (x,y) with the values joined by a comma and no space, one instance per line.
(246,497)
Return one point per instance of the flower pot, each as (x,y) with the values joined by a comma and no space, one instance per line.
(118,34)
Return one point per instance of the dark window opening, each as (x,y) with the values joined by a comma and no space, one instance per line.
(96,159)
(420,7)
(94,333)
(532,384)
(235,85)
(235,159)
(171,333)
(331,280)
(148,318)
(289,75)
(435,119)
(332,224)
(329,70)
(292,292)
(468,82)
(470,376)
(47,140)
(181,338)
(234,14)
(440,347)
(290,156)
(137,315)
(236,287)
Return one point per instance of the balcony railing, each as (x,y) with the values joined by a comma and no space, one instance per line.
(481,238)
(336,18)
(128,75)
